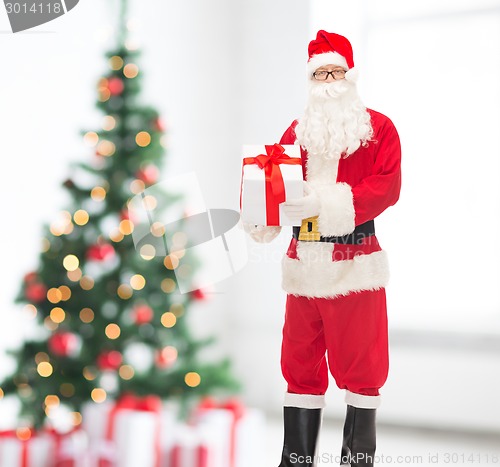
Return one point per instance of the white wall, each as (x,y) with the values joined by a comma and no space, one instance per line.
(47,91)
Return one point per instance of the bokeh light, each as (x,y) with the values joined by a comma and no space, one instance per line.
(168,285)
(131,70)
(171,261)
(126,372)
(168,319)
(124,291)
(116,62)
(86,315)
(57,315)
(137,282)
(67,389)
(98,395)
(70,262)
(98,193)
(90,138)
(54,295)
(44,369)
(192,379)
(81,217)
(143,138)
(112,331)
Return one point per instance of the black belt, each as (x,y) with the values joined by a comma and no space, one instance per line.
(360,232)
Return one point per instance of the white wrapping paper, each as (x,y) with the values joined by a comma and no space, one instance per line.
(253,190)
(134,436)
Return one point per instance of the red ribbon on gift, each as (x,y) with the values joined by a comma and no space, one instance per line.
(237,410)
(133,402)
(62,459)
(201,456)
(56,436)
(24,445)
(275,187)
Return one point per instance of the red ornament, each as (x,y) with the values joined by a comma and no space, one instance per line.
(109,360)
(159,125)
(31,277)
(64,344)
(148,174)
(127,215)
(166,357)
(35,292)
(142,314)
(100,252)
(198,294)
(115,86)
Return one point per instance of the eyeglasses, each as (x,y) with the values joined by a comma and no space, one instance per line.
(323,74)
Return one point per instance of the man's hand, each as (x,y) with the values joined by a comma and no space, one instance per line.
(261,233)
(302,208)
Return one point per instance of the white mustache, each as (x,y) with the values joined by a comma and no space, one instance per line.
(333,90)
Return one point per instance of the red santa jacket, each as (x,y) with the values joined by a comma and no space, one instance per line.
(352,191)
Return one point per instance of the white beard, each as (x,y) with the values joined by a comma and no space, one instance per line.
(335,122)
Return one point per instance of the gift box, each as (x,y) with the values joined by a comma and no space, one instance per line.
(71,448)
(31,452)
(249,439)
(44,449)
(271,175)
(125,433)
(194,447)
(170,425)
(239,431)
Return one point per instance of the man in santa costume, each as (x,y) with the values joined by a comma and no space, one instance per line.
(335,271)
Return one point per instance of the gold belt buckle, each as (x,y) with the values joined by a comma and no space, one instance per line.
(309,230)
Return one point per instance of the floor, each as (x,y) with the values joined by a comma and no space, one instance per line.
(399,446)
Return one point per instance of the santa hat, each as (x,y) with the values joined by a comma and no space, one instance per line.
(331,49)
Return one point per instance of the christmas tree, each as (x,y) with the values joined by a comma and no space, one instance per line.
(111,317)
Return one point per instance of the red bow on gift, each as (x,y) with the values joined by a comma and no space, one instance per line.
(275,187)
(233,405)
(133,402)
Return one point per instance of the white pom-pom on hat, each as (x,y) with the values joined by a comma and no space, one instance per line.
(352,75)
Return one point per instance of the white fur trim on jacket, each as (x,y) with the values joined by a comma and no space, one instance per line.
(361,401)
(328,58)
(304,401)
(336,215)
(315,275)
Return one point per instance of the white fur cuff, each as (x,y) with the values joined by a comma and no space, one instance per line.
(362,402)
(304,401)
(336,215)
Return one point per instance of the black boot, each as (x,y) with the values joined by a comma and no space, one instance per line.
(358,447)
(301,435)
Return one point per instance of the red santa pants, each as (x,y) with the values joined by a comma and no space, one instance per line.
(350,330)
